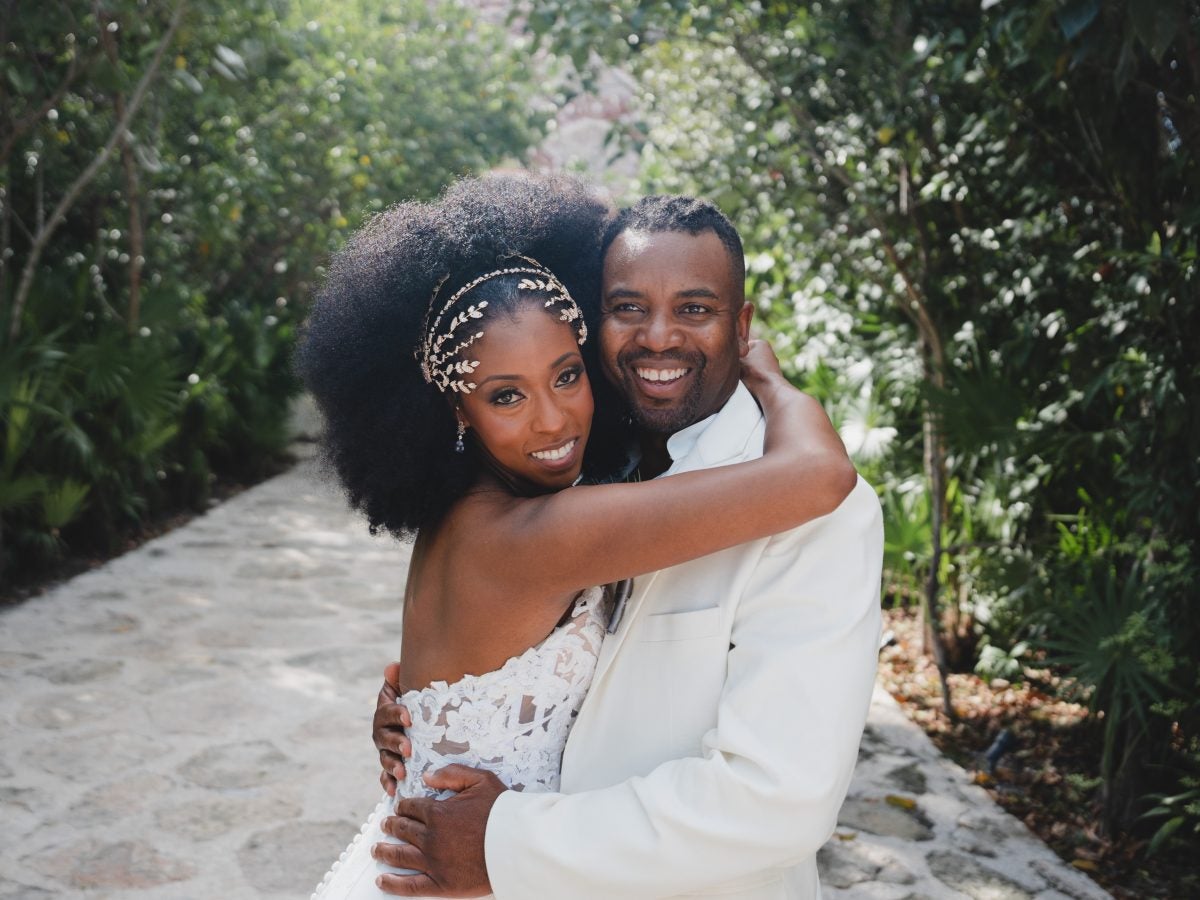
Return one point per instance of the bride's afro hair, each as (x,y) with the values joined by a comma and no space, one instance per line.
(389,436)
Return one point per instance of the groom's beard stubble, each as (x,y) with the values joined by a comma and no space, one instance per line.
(674,415)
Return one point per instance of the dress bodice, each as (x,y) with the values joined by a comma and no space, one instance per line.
(512,721)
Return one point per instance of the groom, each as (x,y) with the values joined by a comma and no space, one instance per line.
(717,742)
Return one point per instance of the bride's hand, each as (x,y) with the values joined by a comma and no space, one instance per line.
(760,370)
(391,719)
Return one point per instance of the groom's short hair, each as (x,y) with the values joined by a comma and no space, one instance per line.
(665,212)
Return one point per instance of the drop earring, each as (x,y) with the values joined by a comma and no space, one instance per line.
(459,446)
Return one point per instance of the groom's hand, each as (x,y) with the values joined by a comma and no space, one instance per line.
(388,730)
(444,837)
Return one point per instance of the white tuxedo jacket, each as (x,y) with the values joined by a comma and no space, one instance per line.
(717,742)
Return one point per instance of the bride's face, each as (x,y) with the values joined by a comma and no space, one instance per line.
(532,405)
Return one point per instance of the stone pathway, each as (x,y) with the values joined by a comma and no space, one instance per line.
(192,721)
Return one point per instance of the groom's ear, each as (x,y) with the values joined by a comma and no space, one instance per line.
(744,315)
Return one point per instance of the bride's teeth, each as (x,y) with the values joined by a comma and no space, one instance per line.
(552,455)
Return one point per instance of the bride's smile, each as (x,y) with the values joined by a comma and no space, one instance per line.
(532,409)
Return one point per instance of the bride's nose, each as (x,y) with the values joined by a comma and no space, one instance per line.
(548,415)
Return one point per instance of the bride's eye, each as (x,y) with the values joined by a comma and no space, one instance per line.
(569,376)
(506,397)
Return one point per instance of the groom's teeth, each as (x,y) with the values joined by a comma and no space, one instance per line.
(552,455)
(661,374)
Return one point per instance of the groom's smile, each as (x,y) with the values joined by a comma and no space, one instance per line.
(674,326)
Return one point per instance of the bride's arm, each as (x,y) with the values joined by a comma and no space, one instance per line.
(598,534)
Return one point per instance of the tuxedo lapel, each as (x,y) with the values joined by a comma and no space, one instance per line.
(612,642)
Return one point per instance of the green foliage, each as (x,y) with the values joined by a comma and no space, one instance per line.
(987,213)
(151,351)
(1112,637)
(1181,813)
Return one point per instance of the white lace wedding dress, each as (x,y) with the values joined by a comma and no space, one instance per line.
(512,721)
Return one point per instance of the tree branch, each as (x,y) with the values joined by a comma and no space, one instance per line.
(85,178)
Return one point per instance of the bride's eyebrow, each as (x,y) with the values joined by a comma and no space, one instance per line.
(501,378)
(554,365)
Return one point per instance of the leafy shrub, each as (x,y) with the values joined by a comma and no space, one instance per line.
(990,212)
(153,277)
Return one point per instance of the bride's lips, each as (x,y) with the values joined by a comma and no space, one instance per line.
(559,456)
(662,381)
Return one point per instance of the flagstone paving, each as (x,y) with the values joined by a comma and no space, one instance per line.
(192,720)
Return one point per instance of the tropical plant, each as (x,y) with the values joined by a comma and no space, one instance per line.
(173,173)
(989,210)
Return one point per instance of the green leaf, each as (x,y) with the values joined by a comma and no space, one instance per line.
(1155,24)
(18,492)
(1076,16)
(64,503)
(1164,833)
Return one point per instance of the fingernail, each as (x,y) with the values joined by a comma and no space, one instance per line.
(379,882)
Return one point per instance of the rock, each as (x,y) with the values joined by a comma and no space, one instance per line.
(287,565)
(1069,881)
(206,820)
(962,873)
(105,595)
(79,671)
(292,858)
(101,805)
(12,662)
(20,812)
(343,664)
(56,712)
(205,710)
(844,864)
(17,891)
(881,818)
(109,622)
(91,864)
(107,752)
(909,779)
(243,765)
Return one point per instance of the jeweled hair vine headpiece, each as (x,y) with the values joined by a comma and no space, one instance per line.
(446,369)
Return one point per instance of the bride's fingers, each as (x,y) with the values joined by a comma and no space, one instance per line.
(391,778)
(408,885)
(390,759)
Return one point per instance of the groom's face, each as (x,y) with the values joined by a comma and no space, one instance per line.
(674,326)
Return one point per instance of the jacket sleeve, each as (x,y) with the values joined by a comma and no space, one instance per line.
(774,770)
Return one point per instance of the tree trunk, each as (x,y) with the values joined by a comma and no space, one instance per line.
(935,473)
(42,237)
(132,188)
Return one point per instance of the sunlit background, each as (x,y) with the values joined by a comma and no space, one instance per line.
(971,231)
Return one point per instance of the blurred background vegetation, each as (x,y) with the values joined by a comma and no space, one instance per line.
(972,232)
(172,175)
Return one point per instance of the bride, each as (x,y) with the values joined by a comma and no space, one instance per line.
(449,354)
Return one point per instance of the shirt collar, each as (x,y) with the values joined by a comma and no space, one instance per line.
(721,436)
